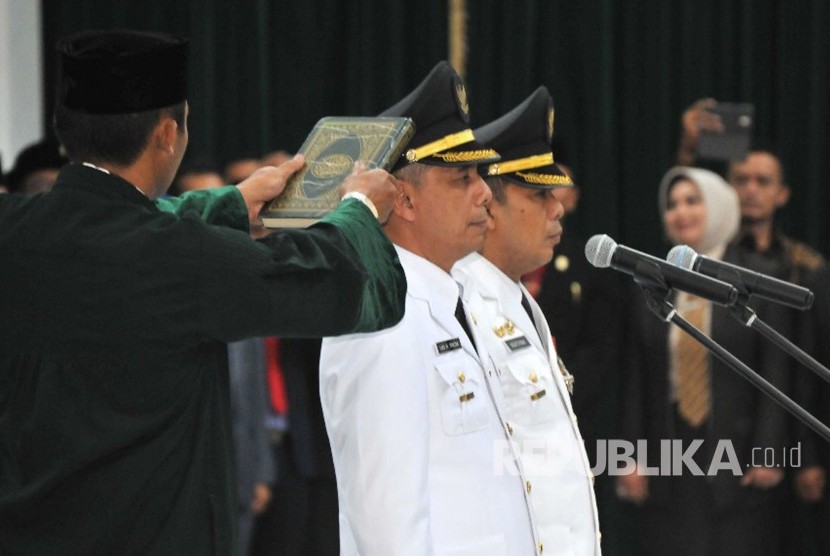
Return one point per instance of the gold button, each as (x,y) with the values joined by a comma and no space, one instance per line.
(534,378)
(541,548)
(599,535)
(593,479)
(528,486)
(574,419)
(509,429)
(475,320)
(461,377)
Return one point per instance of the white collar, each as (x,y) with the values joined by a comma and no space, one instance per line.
(94,167)
(104,170)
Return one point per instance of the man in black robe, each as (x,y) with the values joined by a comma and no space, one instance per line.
(114,409)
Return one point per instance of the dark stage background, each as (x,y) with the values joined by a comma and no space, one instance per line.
(262,73)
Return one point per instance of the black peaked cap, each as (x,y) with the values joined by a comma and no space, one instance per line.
(523,138)
(439,109)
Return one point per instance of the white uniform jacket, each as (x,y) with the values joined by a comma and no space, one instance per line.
(418,445)
(538,405)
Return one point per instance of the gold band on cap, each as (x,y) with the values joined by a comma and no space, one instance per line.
(535,161)
(447,142)
(545,179)
(467,156)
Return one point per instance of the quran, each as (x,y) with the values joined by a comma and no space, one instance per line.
(330,151)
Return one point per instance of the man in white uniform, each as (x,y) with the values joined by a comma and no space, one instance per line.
(524,228)
(413,413)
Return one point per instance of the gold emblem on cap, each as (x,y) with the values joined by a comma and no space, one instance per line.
(461,96)
(550,123)
(562,263)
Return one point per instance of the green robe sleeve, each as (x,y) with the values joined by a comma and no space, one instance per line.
(385,290)
(223,206)
(340,276)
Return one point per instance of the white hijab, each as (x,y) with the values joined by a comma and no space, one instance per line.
(723,213)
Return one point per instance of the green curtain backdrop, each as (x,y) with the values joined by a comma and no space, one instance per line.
(263,72)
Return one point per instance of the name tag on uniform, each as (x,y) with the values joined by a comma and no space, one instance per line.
(448,345)
(517,343)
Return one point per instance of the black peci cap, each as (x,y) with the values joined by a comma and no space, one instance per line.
(523,137)
(443,137)
(121,72)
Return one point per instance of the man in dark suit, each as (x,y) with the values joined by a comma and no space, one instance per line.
(114,415)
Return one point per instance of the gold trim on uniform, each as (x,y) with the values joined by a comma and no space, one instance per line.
(545,179)
(535,161)
(467,156)
(446,142)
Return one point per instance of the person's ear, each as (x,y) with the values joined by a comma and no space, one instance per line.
(493,210)
(783,196)
(405,201)
(165,135)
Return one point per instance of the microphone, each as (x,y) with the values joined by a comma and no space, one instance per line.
(743,279)
(602,252)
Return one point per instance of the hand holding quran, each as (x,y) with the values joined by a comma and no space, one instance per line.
(331,151)
(378,186)
(266,183)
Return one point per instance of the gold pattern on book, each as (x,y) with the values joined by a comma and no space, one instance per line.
(311,188)
(331,166)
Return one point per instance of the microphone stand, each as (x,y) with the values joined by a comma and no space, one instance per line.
(748,318)
(647,275)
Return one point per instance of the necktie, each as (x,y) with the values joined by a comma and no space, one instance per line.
(461,316)
(276,381)
(690,359)
(529,311)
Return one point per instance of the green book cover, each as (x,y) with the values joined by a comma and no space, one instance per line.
(330,151)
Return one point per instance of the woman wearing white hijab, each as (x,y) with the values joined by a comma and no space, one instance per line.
(676,392)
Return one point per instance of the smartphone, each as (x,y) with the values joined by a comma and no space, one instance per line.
(733,143)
